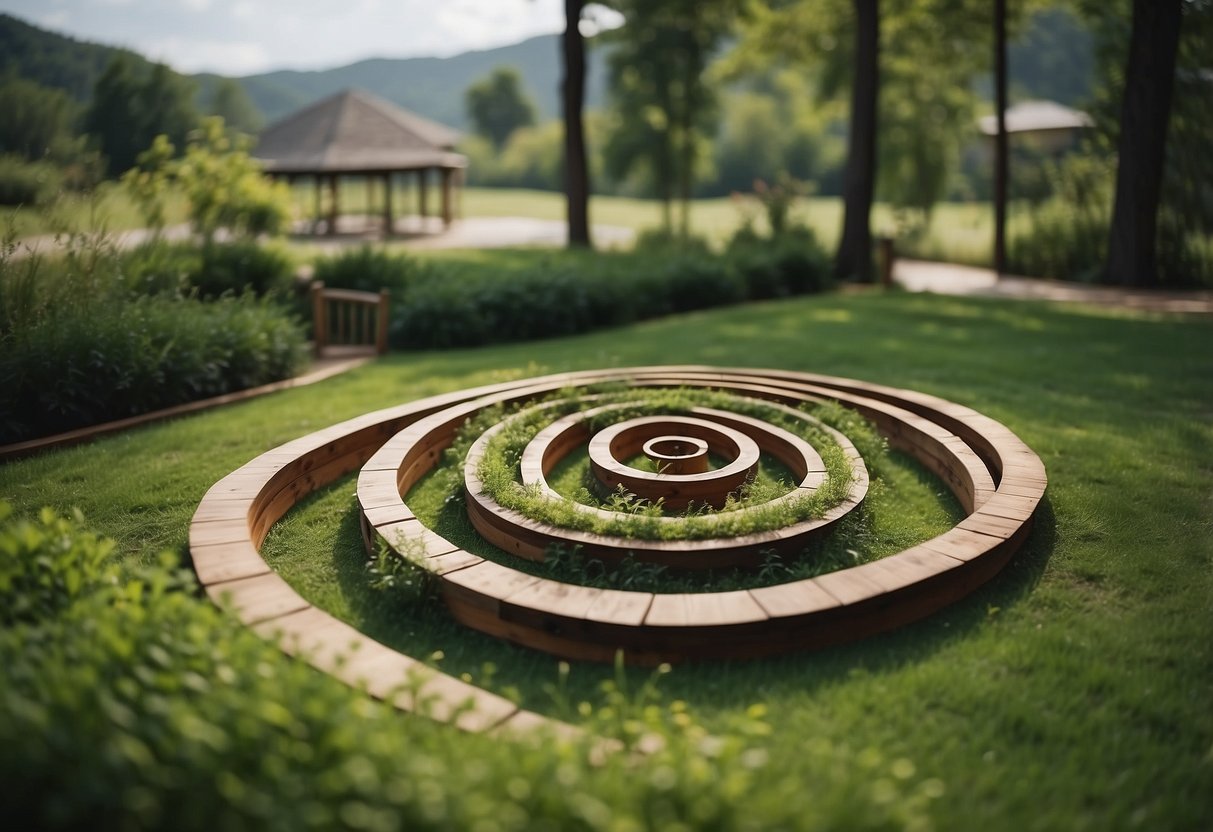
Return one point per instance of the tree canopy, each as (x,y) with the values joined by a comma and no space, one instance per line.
(498,105)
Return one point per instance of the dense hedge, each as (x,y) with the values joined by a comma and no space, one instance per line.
(126,702)
(439,305)
(207,271)
(92,363)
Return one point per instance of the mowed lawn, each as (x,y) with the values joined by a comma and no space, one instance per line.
(958,232)
(1073,692)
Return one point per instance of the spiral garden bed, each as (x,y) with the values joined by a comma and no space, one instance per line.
(996,478)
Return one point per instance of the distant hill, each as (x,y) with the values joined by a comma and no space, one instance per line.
(1053,59)
(432,87)
(54,60)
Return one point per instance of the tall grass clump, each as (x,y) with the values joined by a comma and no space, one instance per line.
(82,341)
(129,703)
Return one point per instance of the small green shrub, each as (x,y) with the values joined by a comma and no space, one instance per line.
(133,704)
(242,266)
(791,263)
(160,267)
(47,565)
(91,363)
(367,269)
(28,183)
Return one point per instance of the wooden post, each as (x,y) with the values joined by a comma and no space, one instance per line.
(884,257)
(381,328)
(319,318)
(319,212)
(446,198)
(389,224)
(333,208)
(423,194)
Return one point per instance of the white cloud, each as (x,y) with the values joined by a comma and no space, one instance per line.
(54,20)
(196,5)
(243,10)
(227,57)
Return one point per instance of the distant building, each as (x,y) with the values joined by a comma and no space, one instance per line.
(354,134)
(1044,126)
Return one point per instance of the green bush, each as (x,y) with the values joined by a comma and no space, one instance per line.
(28,183)
(92,363)
(160,267)
(218,269)
(132,704)
(366,269)
(438,304)
(238,267)
(791,263)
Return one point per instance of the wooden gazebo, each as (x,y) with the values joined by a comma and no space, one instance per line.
(356,134)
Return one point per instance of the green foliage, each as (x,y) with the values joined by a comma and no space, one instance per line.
(94,335)
(132,704)
(230,102)
(47,565)
(131,106)
(225,187)
(37,120)
(531,158)
(92,363)
(498,105)
(28,183)
(562,296)
(661,102)
(1068,234)
(367,269)
(241,266)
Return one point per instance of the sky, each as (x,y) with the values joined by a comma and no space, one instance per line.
(244,37)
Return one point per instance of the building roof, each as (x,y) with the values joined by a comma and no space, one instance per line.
(1030,116)
(356,132)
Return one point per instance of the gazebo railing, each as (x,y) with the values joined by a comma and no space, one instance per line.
(349,319)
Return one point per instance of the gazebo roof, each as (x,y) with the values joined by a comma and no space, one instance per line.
(356,132)
(1032,116)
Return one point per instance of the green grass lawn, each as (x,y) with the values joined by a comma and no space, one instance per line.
(959,232)
(1073,692)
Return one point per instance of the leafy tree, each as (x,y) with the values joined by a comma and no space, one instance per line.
(128,111)
(661,101)
(37,120)
(498,106)
(572,101)
(222,183)
(232,104)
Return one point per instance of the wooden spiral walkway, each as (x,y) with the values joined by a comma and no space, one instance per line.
(998,480)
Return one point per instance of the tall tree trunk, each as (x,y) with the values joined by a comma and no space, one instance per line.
(576,169)
(1000,137)
(1144,113)
(854,257)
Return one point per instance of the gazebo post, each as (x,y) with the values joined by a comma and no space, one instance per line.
(389,225)
(333,208)
(319,212)
(446,197)
(423,194)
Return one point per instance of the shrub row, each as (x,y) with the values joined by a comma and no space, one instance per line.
(126,702)
(27,183)
(90,363)
(438,305)
(209,271)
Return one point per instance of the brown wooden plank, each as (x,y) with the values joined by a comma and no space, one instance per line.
(227,562)
(258,598)
(793,599)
